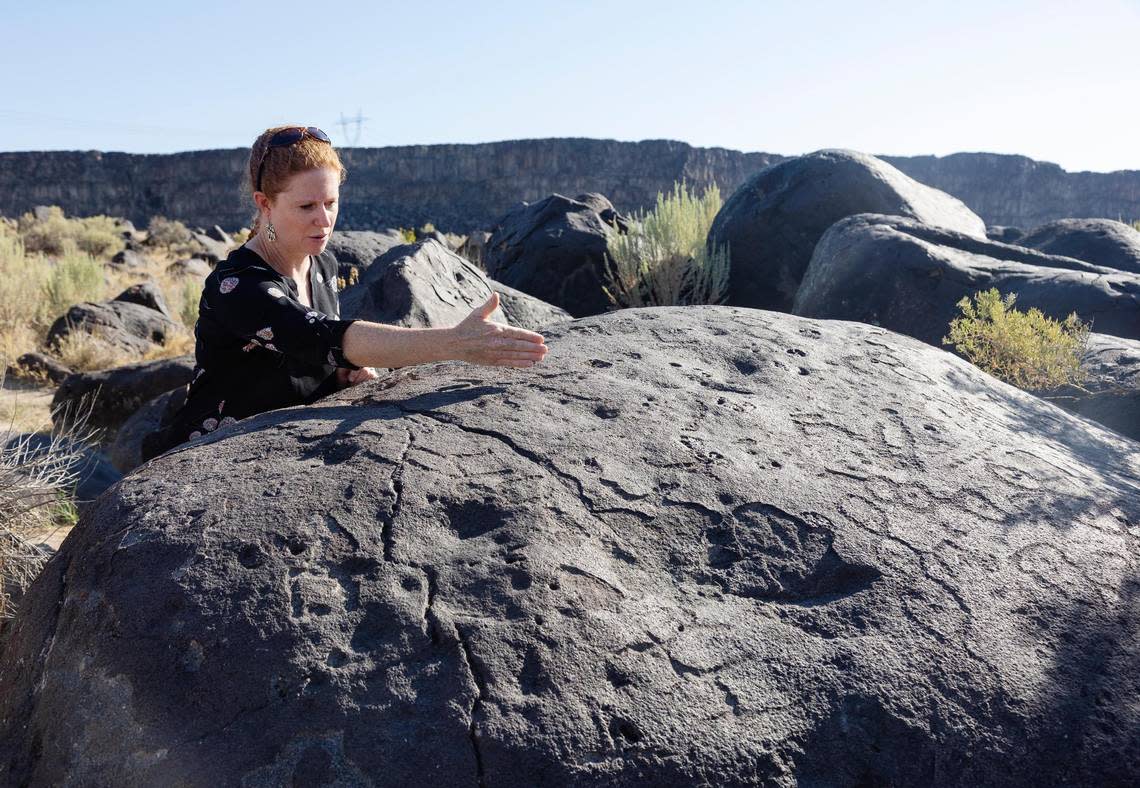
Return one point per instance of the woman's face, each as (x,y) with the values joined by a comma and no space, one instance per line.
(305,212)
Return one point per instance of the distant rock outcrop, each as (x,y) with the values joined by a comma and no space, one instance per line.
(770,225)
(709,546)
(908,277)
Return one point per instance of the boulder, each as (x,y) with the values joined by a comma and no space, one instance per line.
(708,546)
(213,250)
(115,394)
(129,258)
(194,267)
(126,453)
(555,250)
(1006,235)
(771,224)
(1111,394)
(38,366)
(1099,241)
(146,294)
(420,285)
(123,326)
(908,277)
(358,248)
(216,233)
(526,311)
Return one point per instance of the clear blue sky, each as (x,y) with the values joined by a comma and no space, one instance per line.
(1056,81)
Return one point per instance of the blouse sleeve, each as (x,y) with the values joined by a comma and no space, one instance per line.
(258,308)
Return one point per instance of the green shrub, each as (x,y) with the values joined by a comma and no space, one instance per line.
(1027,349)
(191,296)
(408,234)
(73,278)
(161,231)
(663,260)
(57,235)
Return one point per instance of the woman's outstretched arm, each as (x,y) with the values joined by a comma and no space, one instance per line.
(475,340)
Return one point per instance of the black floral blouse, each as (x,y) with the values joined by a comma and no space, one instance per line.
(258,347)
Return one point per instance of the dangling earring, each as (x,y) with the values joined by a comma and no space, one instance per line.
(271,231)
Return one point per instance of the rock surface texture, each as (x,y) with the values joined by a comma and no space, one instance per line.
(905,276)
(555,250)
(771,224)
(1098,241)
(526,311)
(1111,395)
(358,248)
(810,553)
(122,323)
(114,394)
(420,285)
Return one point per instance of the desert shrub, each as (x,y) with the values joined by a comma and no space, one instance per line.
(57,235)
(36,492)
(408,234)
(240,237)
(71,279)
(161,231)
(191,295)
(1026,349)
(663,260)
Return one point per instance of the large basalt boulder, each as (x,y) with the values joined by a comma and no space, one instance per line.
(1111,394)
(1098,241)
(356,249)
(908,277)
(526,311)
(420,285)
(810,553)
(123,324)
(112,395)
(555,250)
(126,453)
(771,224)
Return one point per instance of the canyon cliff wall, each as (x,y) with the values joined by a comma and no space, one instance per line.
(463,187)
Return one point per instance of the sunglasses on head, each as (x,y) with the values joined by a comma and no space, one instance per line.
(287,137)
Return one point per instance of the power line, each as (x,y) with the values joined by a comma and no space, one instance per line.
(354,138)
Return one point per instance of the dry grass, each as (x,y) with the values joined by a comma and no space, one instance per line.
(36,484)
(44,271)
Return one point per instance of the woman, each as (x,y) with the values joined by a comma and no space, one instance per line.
(269,333)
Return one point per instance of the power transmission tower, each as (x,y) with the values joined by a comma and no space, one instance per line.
(358,126)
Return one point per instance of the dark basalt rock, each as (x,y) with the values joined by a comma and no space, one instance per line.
(908,277)
(526,311)
(771,224)
(555,250)
(125,326)
(146,294)
(126,453)
(707,546)
(117,393)
(1006,235)
(420,285)
(358,248)
(1111,394)
(38,365)
(1099,241)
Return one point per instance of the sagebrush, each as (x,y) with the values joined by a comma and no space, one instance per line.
(1026,349)
(664,260)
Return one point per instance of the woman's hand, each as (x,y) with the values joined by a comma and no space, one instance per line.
(350,377)
(479,341)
